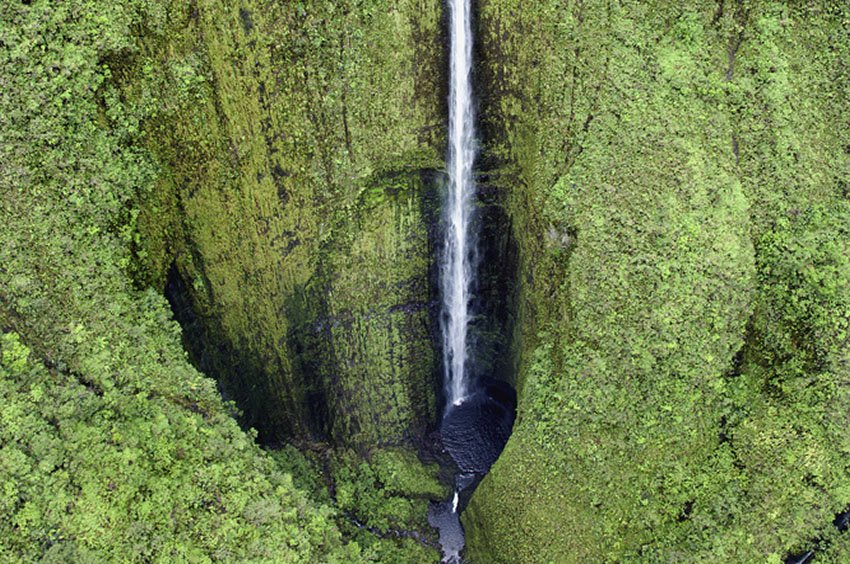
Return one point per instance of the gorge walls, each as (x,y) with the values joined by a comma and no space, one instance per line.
(664,165)
(669,181)
(663,177)
(300,145)
(663,197)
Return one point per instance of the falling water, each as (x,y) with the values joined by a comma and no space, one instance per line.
(456,265)
(478,420)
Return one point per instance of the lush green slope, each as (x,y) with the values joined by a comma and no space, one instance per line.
(90,475)
(679,175)
(120,448)
(286,185)
(112,446)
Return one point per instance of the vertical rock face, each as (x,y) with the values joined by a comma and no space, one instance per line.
(365,326)
(655,164)
(297,140)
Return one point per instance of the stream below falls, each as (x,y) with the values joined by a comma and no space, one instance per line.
(473,433)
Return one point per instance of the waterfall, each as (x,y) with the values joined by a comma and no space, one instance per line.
(456,268)
(478,419)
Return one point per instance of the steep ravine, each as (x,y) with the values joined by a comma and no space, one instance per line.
(304,275)
(679,396)
(664,277)
(294,219)
(643,211)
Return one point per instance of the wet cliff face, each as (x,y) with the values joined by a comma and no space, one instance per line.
(655,164)
(297,143)
(664,211)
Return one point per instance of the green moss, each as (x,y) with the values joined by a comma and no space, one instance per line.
(372,342)
(666,193)
(295,172)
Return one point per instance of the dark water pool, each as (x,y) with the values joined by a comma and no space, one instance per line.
(473,434)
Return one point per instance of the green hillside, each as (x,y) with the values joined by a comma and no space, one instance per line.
(218,300)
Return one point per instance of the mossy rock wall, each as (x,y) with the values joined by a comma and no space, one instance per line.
(682,340)
(365,323)
(112,446)
(296,140)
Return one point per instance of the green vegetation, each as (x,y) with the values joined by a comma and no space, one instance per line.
(381,499)
(683,344)
(675,176)
(388,492)
(128,144)
(294,139)
(90,475)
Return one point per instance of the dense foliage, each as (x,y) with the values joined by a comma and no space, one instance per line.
(106,475)
(684,344)
(675,176)
(112,446)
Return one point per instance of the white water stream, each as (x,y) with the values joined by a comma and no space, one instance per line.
(457,260)
(456,268)
(476,423)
